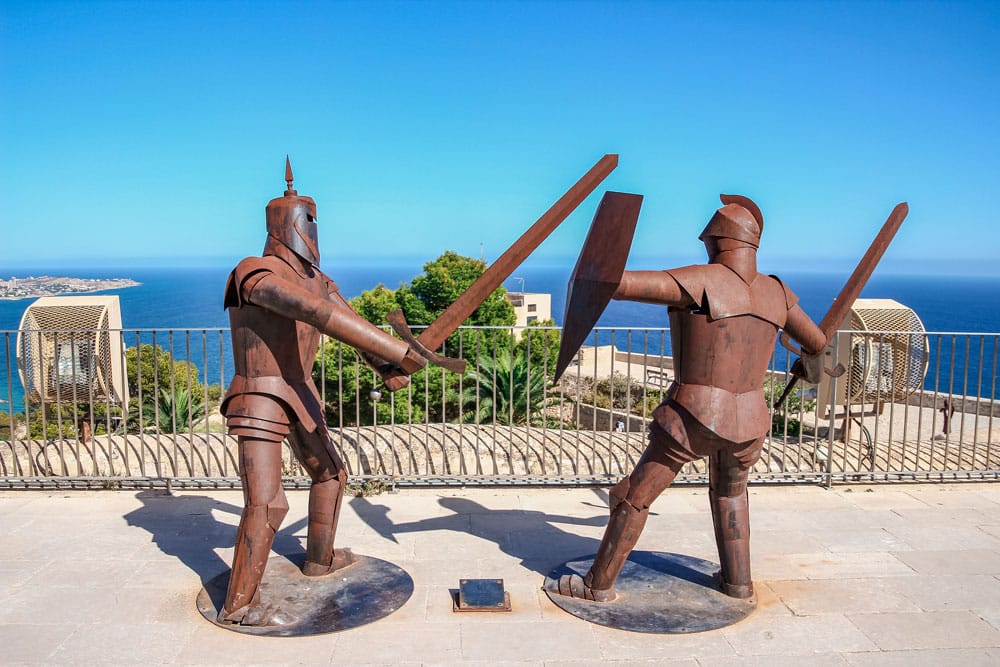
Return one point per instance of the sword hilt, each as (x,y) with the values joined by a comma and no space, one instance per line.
(397,321)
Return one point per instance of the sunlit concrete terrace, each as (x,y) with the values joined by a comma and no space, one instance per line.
(850,575)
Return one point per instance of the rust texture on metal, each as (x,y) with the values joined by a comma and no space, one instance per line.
(598,270)
(724,319)
(279,305)
(367,591)
(662,593)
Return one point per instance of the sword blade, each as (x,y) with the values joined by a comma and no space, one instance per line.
(852,288)
(460,310)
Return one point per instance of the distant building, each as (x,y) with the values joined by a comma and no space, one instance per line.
(530,307)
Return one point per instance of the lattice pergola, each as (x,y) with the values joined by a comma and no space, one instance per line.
(886,356)
(69,348)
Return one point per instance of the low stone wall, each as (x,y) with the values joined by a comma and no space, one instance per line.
(966,404)
(591,418)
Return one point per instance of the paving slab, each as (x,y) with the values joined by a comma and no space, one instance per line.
(798,635)
(952,561)
(844,596)
(897,631)
(431,641)
(990,529)
(669,662)
(880,498)
(837,565)
(930,658)
(867,575)
(963,497)
(876,538)
(32,643)
(991,614)
(781,542)
(952,591)
(705,646)
(814,660)
(520,640)
(122,644)
(924,537)
(210,645)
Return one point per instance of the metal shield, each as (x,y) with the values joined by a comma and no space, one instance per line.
(598,270)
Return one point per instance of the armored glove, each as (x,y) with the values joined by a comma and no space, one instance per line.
(396,376)
(809,367)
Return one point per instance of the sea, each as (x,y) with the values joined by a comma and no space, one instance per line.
(190,297)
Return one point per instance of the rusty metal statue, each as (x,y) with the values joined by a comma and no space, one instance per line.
(279,304)
(724,320)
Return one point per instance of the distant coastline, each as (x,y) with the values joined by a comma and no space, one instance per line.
(37,286)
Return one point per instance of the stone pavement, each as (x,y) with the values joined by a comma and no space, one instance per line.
(854,575)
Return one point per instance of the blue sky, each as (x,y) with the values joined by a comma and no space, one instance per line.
(157,131)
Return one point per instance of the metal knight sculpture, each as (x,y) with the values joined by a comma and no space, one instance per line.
(279,304)
(724,319)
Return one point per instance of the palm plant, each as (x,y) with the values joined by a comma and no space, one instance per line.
(504,389)
(176,409)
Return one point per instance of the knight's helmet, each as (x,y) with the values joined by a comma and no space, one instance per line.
(738,219)
(291,221)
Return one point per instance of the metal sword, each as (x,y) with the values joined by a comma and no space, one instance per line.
(452,317)
(850,292)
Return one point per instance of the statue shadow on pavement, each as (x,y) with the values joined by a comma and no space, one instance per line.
(534,537)
(659,592)
(185,526)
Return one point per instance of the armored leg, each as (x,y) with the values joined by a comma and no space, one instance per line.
(731,516)
(629,502)
(264,508)
(329,479)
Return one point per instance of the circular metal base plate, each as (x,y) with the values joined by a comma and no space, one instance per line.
(658,593)
(350,597)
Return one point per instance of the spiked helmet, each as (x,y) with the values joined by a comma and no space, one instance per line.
(291,221)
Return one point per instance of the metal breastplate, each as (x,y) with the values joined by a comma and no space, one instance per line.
(268,344)
(719,368)
(265,344)
(732,353)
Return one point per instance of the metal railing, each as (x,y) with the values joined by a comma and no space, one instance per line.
(503,422)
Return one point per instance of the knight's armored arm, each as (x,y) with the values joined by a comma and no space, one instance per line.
(651,287)
(334,318)
(387,370)
(804,331)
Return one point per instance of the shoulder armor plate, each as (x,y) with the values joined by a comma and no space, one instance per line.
(244,270)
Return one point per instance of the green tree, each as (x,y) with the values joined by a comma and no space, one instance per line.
(433,394)
(5,430)
(445,279)
(151,368)
(540,343)
(376,303)
(164,392)
(442,282)
(346,384)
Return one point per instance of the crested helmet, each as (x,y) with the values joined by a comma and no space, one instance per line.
(291,221)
